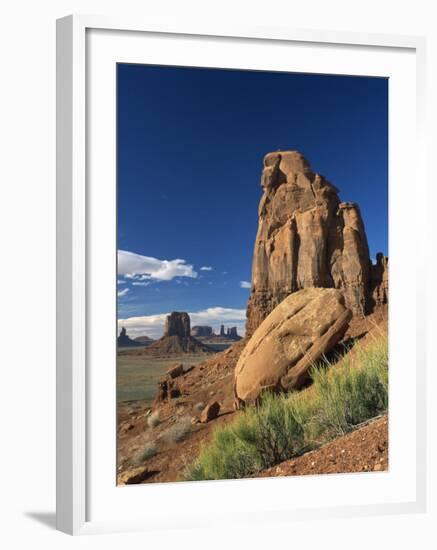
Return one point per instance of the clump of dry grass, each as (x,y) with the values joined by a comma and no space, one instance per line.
(178,431)
(144,454)
(153,420)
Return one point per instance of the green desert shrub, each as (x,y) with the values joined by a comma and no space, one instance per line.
(259,437)
(353,392)
(281,427)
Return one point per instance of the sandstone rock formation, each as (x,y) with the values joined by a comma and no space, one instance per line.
(175,370)
(177,324)
(232,333)
(303,327)
(202,331)
(124,340)
(306,238)
(379,280)
(167,389)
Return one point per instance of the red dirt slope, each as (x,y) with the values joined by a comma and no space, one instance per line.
(363,450)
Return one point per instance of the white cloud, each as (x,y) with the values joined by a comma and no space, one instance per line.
(245,284)
(206,268)
(121,282)
(136,266)
(140,283)
(153,325)
(123,292)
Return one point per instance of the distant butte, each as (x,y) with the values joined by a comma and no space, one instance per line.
(177,338)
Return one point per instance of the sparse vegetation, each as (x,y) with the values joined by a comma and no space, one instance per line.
(153,420)
(178,431)
(144,454)
(341,397)
(198,407)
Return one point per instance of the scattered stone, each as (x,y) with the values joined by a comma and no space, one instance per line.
(175,393)
(210,412)
(126,427)
(301,329)
(377,467)
(176,370)
(134,476)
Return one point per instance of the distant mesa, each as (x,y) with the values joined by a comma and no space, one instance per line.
(144,340)
(125,341)
(202,331)
(177,338)
(207,334)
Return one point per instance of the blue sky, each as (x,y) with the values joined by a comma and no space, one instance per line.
(189,157)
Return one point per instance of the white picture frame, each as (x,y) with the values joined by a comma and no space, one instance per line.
(74,277)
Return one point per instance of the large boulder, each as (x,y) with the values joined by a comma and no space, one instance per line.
(278,356)
(306,238)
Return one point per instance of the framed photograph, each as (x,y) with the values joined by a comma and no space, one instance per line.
(239,327)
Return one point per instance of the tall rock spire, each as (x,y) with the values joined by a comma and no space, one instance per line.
(306,238)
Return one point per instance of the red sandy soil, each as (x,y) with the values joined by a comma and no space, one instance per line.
(363,450)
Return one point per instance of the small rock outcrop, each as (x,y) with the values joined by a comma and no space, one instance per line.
(306,238)
(167,389)
(302,328)
(175,370)
(202,331)
(210,412)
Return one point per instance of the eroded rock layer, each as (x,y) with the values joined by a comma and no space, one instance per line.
(306,238)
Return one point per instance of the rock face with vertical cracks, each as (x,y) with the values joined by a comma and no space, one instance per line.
(177,324)
(306,238)
(300,330)
(379,280)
